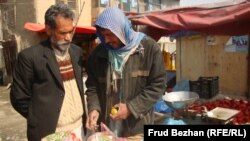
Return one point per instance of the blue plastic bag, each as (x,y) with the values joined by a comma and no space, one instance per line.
(162,107)
(172,121)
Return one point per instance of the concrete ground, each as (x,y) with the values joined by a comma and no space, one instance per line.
(12,124)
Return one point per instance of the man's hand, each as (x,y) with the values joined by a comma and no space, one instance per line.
(122,113)
(91,123)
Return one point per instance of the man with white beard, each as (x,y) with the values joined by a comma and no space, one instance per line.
(47,83)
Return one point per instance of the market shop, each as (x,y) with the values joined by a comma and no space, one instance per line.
(212,51)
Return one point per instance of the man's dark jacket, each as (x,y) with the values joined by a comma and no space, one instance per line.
(37,91)
(144,83)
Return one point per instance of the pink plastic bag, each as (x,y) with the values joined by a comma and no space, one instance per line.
(105,135)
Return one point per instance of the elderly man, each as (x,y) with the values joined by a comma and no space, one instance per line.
(47,84)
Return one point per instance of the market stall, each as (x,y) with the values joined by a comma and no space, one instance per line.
(186,108)
(202,35)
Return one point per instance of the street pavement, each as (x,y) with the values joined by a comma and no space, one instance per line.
(12,124)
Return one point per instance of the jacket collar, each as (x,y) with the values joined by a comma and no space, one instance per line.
(76,67)
(102,52)
(48,53)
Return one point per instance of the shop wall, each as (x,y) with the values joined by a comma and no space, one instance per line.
(85,18)
(197,57)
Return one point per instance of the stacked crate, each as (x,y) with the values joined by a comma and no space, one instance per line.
(206,87)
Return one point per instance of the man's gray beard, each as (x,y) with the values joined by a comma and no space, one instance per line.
(63,47)
(60,46)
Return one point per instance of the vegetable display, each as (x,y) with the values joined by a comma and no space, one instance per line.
(243,117)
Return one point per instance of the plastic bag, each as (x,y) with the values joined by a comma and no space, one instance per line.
(61,136)
(105,135)
(172,121)
(162,107)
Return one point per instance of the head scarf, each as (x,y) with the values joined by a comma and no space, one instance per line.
(114,19)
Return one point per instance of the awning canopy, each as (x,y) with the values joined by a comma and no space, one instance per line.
(41,28)
(228,18)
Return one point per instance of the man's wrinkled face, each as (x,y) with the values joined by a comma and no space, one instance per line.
(110,38)
(61,36)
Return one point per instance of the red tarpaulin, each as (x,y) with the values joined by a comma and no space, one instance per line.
(41,28)
(221,19)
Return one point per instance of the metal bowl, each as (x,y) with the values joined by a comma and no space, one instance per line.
(180,100)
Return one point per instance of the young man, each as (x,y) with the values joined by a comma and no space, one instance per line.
(126,71)
(47,83)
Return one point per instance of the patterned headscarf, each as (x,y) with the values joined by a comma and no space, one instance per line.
(114,19)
